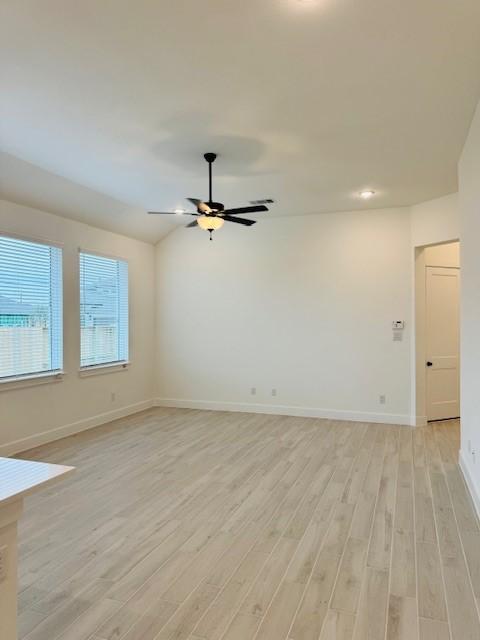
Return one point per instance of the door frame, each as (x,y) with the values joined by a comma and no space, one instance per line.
(419,386)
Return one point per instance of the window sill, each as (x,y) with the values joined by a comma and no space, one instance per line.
(99,369)
(9,384)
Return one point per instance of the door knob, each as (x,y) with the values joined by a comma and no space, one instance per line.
(429,364)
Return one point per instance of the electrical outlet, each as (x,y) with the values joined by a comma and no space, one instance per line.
(274,392)
(3,563)
(382,399)
(253,391)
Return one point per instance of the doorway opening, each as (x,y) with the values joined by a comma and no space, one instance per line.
(437,336)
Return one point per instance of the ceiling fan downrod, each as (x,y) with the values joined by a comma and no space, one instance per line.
(210,158)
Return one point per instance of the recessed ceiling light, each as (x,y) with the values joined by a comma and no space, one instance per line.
(366,194)
(179,212)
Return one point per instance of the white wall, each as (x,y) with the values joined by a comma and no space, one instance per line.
(32,415)
(469,181)
(300,304)
(436,221)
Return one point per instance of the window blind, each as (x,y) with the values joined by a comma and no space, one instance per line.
(31,331)
(103,310)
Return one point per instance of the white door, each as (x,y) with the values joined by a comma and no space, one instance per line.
(443,343)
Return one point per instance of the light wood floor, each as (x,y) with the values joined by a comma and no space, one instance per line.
(191,525)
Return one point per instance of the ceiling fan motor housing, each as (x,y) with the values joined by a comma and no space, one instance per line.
(216,207)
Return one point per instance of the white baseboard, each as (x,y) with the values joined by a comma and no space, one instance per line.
(275,409)
(473,489)
(45,437)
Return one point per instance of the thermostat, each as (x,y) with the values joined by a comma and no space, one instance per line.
(398,324)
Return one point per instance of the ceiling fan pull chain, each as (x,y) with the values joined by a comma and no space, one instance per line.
(211,231)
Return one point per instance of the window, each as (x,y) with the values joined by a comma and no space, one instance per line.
(30,309)
(103,310)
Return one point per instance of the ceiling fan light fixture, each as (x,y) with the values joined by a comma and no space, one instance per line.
(210,223)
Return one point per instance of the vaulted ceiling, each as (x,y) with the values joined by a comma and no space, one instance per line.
(305,101)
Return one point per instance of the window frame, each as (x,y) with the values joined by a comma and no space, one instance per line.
(116,365)
(54,375)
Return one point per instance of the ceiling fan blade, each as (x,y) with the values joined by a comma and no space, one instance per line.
(253,209)
(245,221)
(201,206)
(172,213)
(191,224)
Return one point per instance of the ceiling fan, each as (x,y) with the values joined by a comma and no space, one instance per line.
(211,215)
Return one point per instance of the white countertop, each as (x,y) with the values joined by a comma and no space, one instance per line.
(19,478)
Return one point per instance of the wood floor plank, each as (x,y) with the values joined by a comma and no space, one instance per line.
(338,532)
(314,607)
(402,623)
(431,593)
(279,616)
(433,630)
(243,627)
(149,625)
(184,620)
(117,625)
(424,519)
(370,622)
(338,626)
(264,587)
(403,567)
(349,580)
(62,617)
(363,519)
(217,618)
(89,622)
(379,552)
(28,621)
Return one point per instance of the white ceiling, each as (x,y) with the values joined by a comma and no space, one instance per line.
(306,102)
